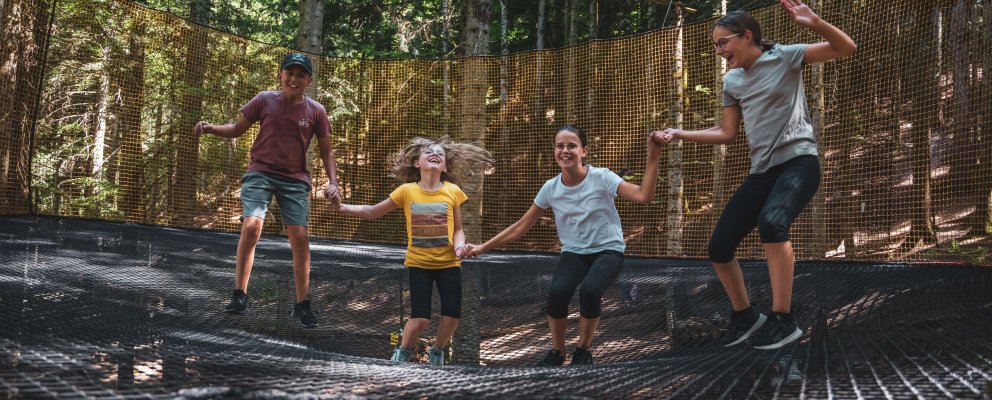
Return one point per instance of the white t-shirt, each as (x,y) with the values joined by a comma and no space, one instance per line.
(586,218)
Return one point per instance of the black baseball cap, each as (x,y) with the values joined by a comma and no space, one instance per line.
(297,59)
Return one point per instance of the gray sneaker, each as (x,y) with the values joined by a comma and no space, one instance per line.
(401,355)
(436,356)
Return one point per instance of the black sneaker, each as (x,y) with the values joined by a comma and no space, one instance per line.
(581,357)
(553,358)
(742,325)
(239,303)
(778,332)
(303,313)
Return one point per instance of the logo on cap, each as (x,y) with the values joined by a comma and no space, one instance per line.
(297,59)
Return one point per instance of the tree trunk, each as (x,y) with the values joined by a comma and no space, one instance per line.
(183,188)
(985,124)
(21,58)
(540,24)
(311,35)
(676,182)
(921,117)
(100,133)
(963,162)
(471,117)
(132,174)
(720,181)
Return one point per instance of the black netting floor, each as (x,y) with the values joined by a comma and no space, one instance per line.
(107,310)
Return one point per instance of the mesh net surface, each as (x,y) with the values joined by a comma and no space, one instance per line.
(104,309)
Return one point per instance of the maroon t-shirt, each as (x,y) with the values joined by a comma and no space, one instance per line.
(284,133)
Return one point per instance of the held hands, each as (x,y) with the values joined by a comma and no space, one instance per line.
(664,137)
(800,13)
(203,127)
(466,250)
(332,195)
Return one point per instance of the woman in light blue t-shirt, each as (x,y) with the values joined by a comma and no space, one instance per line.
(592,242)
(765,89)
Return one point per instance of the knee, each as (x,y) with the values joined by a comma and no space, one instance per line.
(418,323)
(590,294)
(772,230)
(720,253)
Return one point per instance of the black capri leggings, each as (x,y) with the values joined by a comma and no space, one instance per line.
(592,273)
(449,287)
(771,201)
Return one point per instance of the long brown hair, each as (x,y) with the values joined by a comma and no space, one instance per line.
(463,160)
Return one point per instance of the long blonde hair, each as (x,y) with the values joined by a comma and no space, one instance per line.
(463,160)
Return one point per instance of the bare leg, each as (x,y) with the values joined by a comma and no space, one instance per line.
(781,268)
(557,326)
(587,329)
(300,244)
(251,230)
(732,279)
(445,331)
(412,330)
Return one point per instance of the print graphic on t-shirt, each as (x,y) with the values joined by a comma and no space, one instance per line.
(429,224)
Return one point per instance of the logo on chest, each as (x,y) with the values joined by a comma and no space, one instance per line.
(305,123)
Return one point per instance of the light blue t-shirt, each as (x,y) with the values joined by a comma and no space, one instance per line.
(773,101)
(586,218)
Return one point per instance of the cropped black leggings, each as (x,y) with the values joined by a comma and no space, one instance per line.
(591,273)
(449,287)
(771,201)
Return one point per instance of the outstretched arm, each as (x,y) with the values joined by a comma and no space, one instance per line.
(367,211)
(726,133)
(837,45)
(644,192)
(234,130)
(512,232)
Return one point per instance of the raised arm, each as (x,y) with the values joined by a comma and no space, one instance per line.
(367,211)
(837,43)
(725,133)
(644,192)
(234,130)
(512,232)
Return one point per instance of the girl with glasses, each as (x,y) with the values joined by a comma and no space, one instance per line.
(765,89)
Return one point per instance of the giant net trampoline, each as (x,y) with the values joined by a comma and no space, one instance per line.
(104,309)
(118,225)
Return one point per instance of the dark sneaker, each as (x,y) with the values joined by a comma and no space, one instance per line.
(401,355)
(239,303)
(553,358)
(742,325)
(436,356)
(303,313)
(581,357)
(778,332)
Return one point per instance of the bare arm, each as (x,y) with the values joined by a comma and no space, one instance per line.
(331,167)
(458,239)
(726,133)
(644,192)
(367,211)
(512,232)
(234,130)
(837,45)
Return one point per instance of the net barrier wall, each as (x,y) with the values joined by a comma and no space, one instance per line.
(903,127)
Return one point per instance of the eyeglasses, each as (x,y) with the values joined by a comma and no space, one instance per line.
(569,146)
(722,42)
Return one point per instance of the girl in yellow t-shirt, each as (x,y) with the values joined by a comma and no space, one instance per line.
(431,201)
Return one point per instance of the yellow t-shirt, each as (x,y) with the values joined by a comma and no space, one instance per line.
(430,224)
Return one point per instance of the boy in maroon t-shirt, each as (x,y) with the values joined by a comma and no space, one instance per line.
(288,121)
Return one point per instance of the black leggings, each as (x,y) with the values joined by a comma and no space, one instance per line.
(771,201)
(449,287)
(595,272)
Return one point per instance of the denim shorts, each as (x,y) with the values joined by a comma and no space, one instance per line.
(293,196)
